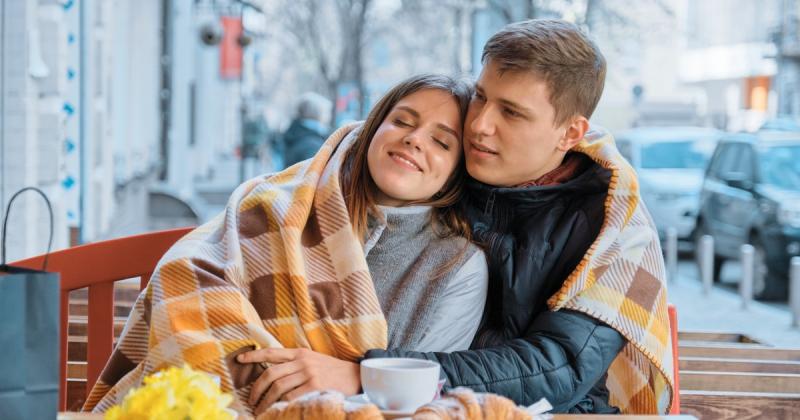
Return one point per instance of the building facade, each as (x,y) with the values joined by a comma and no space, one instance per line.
(787,39)
(733,60)
(98,97)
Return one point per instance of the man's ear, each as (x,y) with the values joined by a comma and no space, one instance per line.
(574,133)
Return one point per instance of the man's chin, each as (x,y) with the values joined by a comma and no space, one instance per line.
(484,174)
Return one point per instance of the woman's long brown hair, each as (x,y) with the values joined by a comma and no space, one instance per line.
(358,186)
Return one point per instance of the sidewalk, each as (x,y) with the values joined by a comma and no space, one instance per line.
(722,311)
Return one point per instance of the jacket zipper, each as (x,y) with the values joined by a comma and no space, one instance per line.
(487,209)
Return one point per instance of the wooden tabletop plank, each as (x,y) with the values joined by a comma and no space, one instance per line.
(738,365)
(728,337)
(740,405)
(738,351)
(740,382)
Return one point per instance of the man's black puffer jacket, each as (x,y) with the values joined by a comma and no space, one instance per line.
(534,238)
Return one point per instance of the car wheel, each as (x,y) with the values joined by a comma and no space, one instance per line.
(766,285)
(699,231)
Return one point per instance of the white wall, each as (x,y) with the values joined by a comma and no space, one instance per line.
(31,129)
(41,140)
(135,87)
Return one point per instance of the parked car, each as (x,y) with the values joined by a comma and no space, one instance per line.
(670,162)
(781,124)
(751,194)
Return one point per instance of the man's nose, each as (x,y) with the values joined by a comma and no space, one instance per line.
(482,123)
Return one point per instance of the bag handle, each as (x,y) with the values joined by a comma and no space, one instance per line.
(5,224)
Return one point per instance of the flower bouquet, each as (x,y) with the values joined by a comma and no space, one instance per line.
(175,393)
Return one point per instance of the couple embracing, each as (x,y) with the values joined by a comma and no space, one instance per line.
(484,227)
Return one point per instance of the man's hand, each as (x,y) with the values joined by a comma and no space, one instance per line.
(297,371)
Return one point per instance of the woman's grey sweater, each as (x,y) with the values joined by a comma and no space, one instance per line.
(425,313)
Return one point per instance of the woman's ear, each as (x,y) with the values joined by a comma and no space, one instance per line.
(574,133)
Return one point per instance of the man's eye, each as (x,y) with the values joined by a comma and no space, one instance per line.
(478,97)
(511,113)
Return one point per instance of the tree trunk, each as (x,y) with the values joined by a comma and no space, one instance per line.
(530,9)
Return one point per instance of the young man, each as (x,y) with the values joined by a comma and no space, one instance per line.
(577,304)
(576,275)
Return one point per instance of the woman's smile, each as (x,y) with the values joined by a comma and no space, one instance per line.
(405,161)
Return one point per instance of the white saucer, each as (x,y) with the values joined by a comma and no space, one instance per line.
(389,414)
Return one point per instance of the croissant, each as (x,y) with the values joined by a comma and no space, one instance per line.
(441,409)
(362,411)
(273,411)
(464,404)
(470,401)
(321,405)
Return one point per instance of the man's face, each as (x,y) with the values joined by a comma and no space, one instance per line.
(510,136)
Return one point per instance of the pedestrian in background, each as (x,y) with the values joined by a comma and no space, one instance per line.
(308,130)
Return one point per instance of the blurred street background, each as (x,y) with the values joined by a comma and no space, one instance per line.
(138,115)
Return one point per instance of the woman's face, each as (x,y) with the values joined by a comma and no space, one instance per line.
(416,148)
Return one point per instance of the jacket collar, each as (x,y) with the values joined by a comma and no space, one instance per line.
(593,179)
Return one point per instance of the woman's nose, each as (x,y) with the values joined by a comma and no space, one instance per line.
(413,140)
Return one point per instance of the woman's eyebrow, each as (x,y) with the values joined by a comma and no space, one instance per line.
(447,129)
(410,110)
(414,113)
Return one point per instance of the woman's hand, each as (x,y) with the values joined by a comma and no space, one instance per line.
(297,371)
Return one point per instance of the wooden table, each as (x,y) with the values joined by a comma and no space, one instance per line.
(89,416)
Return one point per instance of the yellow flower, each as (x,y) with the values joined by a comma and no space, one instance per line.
(174,393)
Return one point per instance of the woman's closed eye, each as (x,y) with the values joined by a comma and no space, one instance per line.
(401,123)
(441,143)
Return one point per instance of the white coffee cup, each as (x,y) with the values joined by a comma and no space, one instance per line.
(400,384)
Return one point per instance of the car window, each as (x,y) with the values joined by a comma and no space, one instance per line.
(780,166)
(730,160)
(713,167)
(687,154)
(746,161)
(724,159)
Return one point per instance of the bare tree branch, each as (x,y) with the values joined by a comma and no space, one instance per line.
(503,8)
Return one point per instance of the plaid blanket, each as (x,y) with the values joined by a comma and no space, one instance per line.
(620,281)
(280,267)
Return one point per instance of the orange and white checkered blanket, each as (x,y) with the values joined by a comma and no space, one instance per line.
(621,281)
(280,267)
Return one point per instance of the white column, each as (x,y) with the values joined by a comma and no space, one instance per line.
(746,283)
(89,202)
(18,136)
(794,291)
(672,254)
(707,263)
(183,40)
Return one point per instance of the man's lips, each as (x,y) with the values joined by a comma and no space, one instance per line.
(483,149)
(405,159)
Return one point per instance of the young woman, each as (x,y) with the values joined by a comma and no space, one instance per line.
(362,246)
(402,181)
